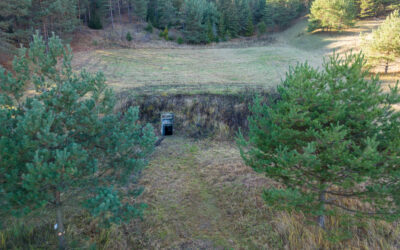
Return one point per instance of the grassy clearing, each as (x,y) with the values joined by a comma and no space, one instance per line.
(182,70)
(214,69)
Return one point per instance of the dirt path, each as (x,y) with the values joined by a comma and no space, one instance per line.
(201,196)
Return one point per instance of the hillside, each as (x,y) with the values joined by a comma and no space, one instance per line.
(169,68)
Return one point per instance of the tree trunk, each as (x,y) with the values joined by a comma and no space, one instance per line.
(79,10)
(89,12)
(119,11)
(321,218)
(60,223)
(79,15)
(44,24)
(129,12)
(111,13)
(387,67)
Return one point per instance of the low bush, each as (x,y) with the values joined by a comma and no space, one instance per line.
(261,27)
(179,40)
(149,28)
(129,37)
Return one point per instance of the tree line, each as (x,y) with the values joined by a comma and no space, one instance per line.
(200,21)
(339,14)
(382,46)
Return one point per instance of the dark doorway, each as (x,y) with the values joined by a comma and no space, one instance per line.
(168,129)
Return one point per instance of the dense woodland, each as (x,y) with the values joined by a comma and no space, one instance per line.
(200,21)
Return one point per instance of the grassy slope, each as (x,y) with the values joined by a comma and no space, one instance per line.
(214,69)
(188,70)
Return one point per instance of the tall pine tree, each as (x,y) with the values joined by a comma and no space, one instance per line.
(65,142)
(331,145)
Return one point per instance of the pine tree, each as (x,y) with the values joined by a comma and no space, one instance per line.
(221,27)
(140,8)
(279,13)
(384,45)
(65,142)
(335,14)
(231,16)
(249,30)
(199,17)
(333,142)
(166,13)
(368,8)
(210,33)
(12,14)
(246,19)
(268,16)
(59,16)
(258,10)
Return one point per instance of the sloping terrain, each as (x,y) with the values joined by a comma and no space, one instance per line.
(216,68)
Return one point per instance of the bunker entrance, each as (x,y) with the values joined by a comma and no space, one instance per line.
(167,130)
(167,121)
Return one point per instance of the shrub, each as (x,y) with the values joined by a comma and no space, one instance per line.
(261,27)
(149,28)
(179,40)
(170,38)
(129,37)
(164,34)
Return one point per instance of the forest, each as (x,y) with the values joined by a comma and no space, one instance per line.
(200,21)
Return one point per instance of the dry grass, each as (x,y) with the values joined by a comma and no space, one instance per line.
(201,196)
(209,70)
(215,68)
